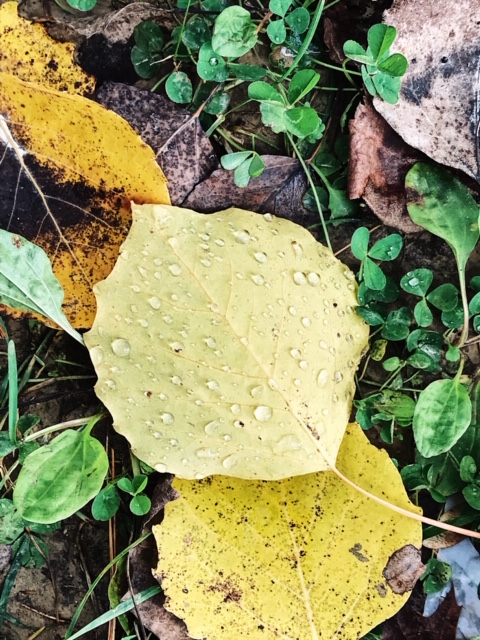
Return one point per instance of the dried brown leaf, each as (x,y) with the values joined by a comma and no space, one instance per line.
(438,110)
(182,149)
(378,163)
(403,569)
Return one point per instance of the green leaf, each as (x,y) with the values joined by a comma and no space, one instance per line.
(280,7)
(277,31)
(359,243)
(453,319)
(387,87)
(106,503)
(211,66)
(242,173)
(272,116)
(125,484)
(256,167)
(148,37)
(234,33)
(301,84)
(423,315)
(196,33)
(474,305)
(233,160)
(437,575)
(373,275)
(417,282)
(139,483)
(441,204)
(327,163)
(60,478)
(368,82)
(387,248)
(371,317)
(218,103)
(380,39)
(442,416)
(339,204)
(140,505)
(6,445)
(179,87)
(298,20)
(471,493)
(248,72)
(27,281)
(146,64)
(11,523)
(445,297)
(301,121)
(263,91)
(356,52)
(82,5)
(468,469)
(396,65)
(219,378)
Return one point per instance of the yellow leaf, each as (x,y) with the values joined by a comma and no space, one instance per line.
(30,54)
(68,169)
(232,348)
(303,558)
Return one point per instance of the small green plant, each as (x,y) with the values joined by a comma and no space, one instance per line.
(298,20)
(381,70)
(107,501)
(437,575)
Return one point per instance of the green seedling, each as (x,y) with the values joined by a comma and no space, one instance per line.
(244,164)
(381,70)
(437,575)
(140,503)
(386,409)
(146,54)
(385,249)
(297,20)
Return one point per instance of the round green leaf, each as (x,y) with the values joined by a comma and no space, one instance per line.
(146,64)
(179,87)
(395,65)
(106,503)
(423,315)
(298,20)
(359,243)
(387,248)
(218,103)
(471,493)
(453,319)
(263,91)
(301,84)
(82,5)
(373,275)
(445,297)
(276,31)
(148,37)
(417,282)
(233,160)
(196,33)
(273,116)
(468,469)
(356,52)
(380,39)
(140,505)
(234,33)
(60,478)
(280,7)
(371,317)
(301,121)
(388,88)
(211,66)
(248,72)
(442,416)
(474,305)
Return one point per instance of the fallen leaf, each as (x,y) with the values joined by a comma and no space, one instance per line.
(266,560)
(403,569)
(278,190)
(65,183)
(378,163)
(30,54)
(234,351)
(438,110)
(179,142)
(411,624)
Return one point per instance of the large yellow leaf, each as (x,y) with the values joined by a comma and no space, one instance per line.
(232,346)
(303,558)
(29,53)
(68,169)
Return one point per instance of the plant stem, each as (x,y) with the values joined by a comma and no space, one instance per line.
(308,39)
(466,314)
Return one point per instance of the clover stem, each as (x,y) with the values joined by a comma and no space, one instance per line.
(463,293)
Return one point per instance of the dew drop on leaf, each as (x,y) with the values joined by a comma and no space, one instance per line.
(299,278)
(262,413)
(167,418)
(121,347)
(261,257)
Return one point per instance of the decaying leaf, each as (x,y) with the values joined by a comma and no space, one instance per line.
(279,190)
(378,163)
(68,169)
(182,149)
(298,558)
(439,107)
(30,54)
(233,347)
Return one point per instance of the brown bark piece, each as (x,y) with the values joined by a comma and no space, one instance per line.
(279,190)
(439,106)
(379,161)
(183,150)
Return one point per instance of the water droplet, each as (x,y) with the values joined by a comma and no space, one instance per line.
(213,385)
(260,257)
(177,347)
(325,412)
(213,61)
(334,397)
(338,377)
(235,409)
(135,288)
(322,377)
(168,319)
(161,468)
(211,427)
(111,384)
(292,311)
(174,442)
(258,279)
(303,364)
(297,249)
(121,347)
(219,242)
(230,461)
(238,424)
(155,302)
(299,278)
(227,437)
(295,353)
(133,308)
(177,380)
(163,396)
(414,282)
(244,341)
(210,342)
(306,322)
(262,413)
(206,452)
(273,384)
(242,236)
(268,217)
(206,262)
(287,443)
(256,391)
(167,418)
(185,461)
(297,382)
(158,435)
(313,279)
(175,269)
(96,354)
(332,350)
(323,344)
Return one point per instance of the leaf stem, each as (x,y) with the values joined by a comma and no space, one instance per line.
(466,313)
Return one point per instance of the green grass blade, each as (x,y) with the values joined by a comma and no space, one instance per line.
(12,391)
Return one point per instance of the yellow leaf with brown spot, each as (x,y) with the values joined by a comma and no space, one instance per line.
(29,53)
(68,171)
(303,558)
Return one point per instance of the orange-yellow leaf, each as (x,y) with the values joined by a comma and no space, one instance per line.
(68,170)
(29,53)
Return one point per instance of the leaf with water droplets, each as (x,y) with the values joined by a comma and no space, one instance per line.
(232,348)
(231,550)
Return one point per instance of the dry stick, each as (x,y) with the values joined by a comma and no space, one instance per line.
(265,19)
